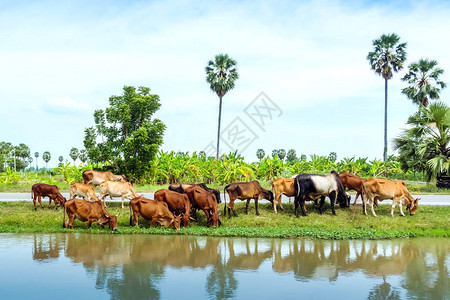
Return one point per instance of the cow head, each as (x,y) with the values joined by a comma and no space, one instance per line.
(413,206)
(185,219)
(344,200)
(112,221)
(269,196)
(176,222)
(213,220)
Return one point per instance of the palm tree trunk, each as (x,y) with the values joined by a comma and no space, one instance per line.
(385,118)
(218,127)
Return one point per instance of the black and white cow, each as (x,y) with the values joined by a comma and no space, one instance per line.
(310,186)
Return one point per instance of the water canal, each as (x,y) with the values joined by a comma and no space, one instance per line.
(103,266)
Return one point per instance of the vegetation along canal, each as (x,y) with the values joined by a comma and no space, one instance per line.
(149,266)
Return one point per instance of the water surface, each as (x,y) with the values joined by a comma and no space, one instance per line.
(103,266)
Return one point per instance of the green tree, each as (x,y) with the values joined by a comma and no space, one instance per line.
(60,158)
(46,157)
(5,149)
(423,79)
(30,160)
(291,156)
(274,153)
(427,139)
(83,156)
(260,154)
(74,154)
(221,74)
(125,136)
(36,154)
(332,156)
(281,154)
(388,57)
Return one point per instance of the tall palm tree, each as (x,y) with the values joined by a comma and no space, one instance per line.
(423,80)
(74,154)
(430,134)
(36,154)
(46,157)
(221,74)
(388,57)
(260,154)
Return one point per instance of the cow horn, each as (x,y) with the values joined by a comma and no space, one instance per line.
(191,218)
(118,215)
(106,215)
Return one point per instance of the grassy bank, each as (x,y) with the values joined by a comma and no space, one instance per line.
(350,223)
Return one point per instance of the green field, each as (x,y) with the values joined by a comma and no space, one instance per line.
(429,221)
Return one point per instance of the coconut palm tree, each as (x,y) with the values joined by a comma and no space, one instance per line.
(260,154)
(423,79)
(74,154)
(388,57)
(281,154)
(60,158)
(36,154)
(46,157)
(221,74)
(83,156)
(430,135)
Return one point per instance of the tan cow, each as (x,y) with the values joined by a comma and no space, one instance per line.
(383,189)
(156,211)
(282,186)
(82,190)
(97,177)
(117,189)
(90,212)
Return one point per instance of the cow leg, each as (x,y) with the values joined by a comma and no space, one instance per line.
(34,202)
(102,197)
(303,207)
(333,196)
(231,208)
(357,195)
(246,206)
(40,201)
(122,201)
(89,223)
(322,202)
(275,203)
(256,206)
(371,207)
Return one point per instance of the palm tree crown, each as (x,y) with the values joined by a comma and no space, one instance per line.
(388,55)
(423,80)
(221,74)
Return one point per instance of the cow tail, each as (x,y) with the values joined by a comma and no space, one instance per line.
(64,215)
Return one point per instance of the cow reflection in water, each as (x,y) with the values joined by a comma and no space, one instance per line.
(129,266)
(47,247)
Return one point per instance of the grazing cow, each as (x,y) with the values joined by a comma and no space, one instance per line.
(117,189)
(309,186)
(97,177)
(90,212)
(180,187)
(157,211)
(353,182)
(383,189)
(39,190)
(178,204)
(82,190)
(246,191)
(205,201)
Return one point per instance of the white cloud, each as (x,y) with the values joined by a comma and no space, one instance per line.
(68,104)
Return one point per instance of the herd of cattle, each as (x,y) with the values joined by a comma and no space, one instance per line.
(178,204)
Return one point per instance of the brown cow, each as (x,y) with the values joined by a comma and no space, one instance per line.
(246,191)
(157,211)
(90,212)
(82,190)
(117,189)
(205,201)
(282,186)
(97,177)
(39,190)
(178,204)
(383,189)
(180,187)
(353,182)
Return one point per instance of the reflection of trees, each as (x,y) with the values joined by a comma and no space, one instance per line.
(384,291)
(47,247)
(427,276)
(221,283)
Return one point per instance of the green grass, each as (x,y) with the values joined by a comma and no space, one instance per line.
(429,221)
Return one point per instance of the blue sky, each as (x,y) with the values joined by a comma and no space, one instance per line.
(61,60)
